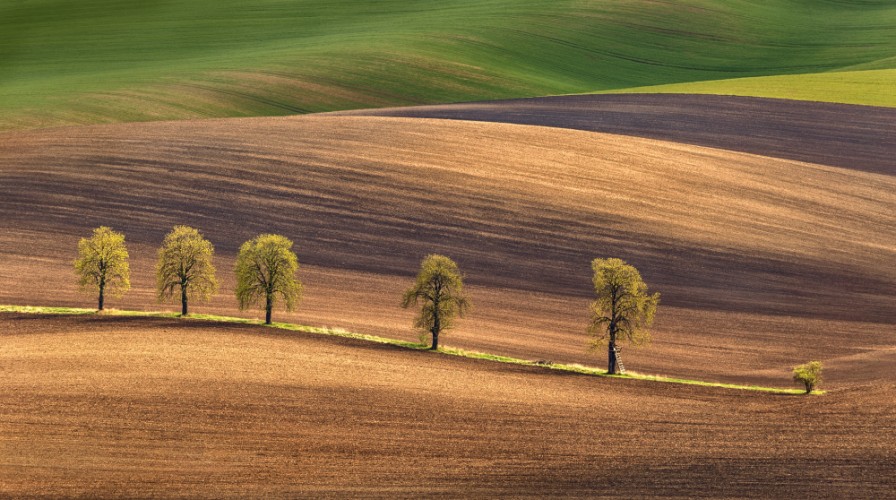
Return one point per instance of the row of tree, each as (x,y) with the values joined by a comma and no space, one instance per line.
(266,270)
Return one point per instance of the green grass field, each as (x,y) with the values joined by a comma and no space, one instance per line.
(107,60)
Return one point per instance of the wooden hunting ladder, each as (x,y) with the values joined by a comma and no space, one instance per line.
(619,360)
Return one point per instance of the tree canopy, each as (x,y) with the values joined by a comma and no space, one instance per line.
(185,266)
(266,273)
(102,264)
(439,290)
(808,374)
(623,309)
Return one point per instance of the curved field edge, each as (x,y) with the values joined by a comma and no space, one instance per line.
(867,88)
(107,61)
(842,135)
(450,351)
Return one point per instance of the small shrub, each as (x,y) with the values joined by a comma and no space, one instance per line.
(808,374)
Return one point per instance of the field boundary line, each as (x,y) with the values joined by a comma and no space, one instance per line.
(449,351)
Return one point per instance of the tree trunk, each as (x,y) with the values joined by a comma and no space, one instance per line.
(612,364)
(102,292)
(435,340)
(611,349)
(183,300)
(611,359)
(268,306)
(436,323)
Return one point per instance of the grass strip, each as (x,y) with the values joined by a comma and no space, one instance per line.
(450,351)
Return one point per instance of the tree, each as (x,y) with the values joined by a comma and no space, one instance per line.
(102,264)
(185,265)
(266,269)
(439,290)
(623,309)
(808,374)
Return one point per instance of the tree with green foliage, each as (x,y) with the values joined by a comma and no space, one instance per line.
(808,374)
(102,264)
(266,270)
(185,266)
(623,310)
(439,290)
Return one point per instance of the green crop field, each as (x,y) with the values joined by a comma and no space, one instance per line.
(870,87)
(111,60)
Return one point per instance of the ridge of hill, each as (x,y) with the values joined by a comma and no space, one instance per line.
(761,262)
(18,310)
(110,61)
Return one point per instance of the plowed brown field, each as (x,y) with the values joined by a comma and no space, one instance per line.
(129,407)
(843,135)
(762,262)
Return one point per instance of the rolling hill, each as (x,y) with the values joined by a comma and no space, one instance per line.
(854,137)
(111,61)
(762,262)
(768,226)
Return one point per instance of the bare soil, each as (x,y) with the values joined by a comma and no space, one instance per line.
(132,407)
(843,135)
(762,263)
